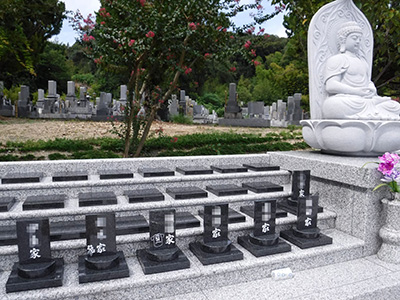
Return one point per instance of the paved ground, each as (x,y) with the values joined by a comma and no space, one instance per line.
(366,278)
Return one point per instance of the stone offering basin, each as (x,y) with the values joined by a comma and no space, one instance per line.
(352,137)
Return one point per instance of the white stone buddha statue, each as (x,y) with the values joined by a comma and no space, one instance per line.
(350,92)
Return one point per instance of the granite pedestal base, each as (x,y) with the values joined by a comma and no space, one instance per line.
(304,243)
(17,283)
(117,268)
(261,250)
(150,266)
(207,258)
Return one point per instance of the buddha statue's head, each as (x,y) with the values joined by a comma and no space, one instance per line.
(349,30)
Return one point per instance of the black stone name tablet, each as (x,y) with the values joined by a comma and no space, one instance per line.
(229,169)
(187,192)
(261,167)
(144,195)
(12,178)
(115,174)
(194,170)
(226,190)
(155,172)
(70,176)
(93,199)
(44,202)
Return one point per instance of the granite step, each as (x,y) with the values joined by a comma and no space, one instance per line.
(197,277)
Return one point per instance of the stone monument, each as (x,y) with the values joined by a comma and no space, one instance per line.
(347,115)
(232,109)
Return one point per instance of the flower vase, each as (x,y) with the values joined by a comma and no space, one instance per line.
(390,232)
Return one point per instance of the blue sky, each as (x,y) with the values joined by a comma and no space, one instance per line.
(68,35)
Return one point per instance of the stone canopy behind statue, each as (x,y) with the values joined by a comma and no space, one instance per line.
(348,117)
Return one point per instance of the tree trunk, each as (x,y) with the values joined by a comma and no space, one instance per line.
(146,131)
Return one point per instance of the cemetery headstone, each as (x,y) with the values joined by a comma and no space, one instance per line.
(163,255)
(229,168)
(261,167)
(194,170)
(215,246)
(6,203)
(173,107)
(115,174)
(155,172)
(264,240)
(23,102)
(6,109)
(226,190)
(36,268)
(184,219)
(306,234)
(102,261)
(232,109)
(182,102)
(44,202)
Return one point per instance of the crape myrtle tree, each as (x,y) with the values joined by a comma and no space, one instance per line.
(155,42)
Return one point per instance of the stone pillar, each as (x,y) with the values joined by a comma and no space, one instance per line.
(232,109)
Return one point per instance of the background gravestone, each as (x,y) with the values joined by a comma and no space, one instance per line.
(232,109)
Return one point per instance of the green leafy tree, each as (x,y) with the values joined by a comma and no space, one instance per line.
(155,42)
(25,26)
(384,16)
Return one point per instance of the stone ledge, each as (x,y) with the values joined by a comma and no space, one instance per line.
(198,277)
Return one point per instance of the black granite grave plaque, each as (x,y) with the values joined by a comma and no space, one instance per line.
(261,167)
(102,261)
(155,172)
(93,199)
(163,254)
(194,170)
(306,234)
(185,219)
(249,210)
(226,190)
(263,187)
(8,235)
(70,176)
(215,246)
(131,225)
(6,203)
(35,269)
(15,178)
(144,195)
(229,169)
(44,202)
(187,192)
(233,216)
(264,240)
(115,174)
